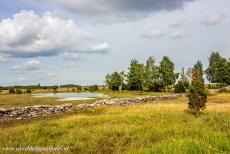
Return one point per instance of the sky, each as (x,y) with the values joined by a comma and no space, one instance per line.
(54,42)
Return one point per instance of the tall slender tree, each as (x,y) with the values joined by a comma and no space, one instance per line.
(167,71)
(151,74)
(136,75)
(197,95)
(184,78)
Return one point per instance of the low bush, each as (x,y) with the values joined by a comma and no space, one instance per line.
(18,91)
(216,86)
(179,87)
(28,91)
(93,88)
(11,90)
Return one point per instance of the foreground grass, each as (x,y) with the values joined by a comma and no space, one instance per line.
(163,127)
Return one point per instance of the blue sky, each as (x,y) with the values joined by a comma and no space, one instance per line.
(74,41)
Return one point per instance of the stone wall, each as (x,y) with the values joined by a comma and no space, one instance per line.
(45,110)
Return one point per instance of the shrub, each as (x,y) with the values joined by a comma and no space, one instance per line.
(28,91)
(93,88)
(179,87)
(197,95)
(78,88)
(216,86)
(18,91)
(11,90)
(55,89)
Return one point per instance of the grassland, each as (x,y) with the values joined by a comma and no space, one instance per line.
(17,100)
(163,127)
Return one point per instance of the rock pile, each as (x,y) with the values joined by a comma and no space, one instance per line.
(133,101)
(44,110)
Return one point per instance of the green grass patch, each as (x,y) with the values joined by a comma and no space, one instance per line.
(162,127)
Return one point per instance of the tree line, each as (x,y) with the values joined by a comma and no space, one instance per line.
(144,77)
(162,77)
(152,77)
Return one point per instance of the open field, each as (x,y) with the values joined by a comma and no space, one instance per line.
(8,101)
(17,100)
(163,127)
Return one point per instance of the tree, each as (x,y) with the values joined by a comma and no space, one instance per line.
(184,79)
(218,69)
(151,74)
(167,71)
(227,75)
(122,76)
(115,80)
(197,95)
(136,75)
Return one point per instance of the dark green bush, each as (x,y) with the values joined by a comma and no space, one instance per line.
(216,86)
(28,91)
(179,87)
(18,91)
(93,88)
(11,90)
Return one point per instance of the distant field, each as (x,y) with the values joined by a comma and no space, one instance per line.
(163,127)
(19,100)
(16,100)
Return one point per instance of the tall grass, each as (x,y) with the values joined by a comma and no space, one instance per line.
(163,127)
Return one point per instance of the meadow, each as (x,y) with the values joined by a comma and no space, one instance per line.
(162,127)
(20,100)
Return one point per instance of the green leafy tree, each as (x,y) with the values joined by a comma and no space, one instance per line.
(123,76)
(136,75)
(151,75)
(227,74)
(197,95)
(167,71)
(184,79)
(115,80)
(218,69)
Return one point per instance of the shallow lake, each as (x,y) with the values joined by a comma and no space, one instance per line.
(72,96)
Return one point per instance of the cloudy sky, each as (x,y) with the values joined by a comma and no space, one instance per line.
(76,41)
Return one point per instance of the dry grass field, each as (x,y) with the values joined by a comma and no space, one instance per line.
(162,127)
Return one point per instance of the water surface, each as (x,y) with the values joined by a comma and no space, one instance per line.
(72,96)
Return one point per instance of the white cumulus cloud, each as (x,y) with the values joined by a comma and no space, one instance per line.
(29,65)
(99,48)
(178,35)
(153,34)
(213,20)
(30,35)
